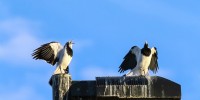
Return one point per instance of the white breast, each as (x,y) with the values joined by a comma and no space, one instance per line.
(144,64)
(63,63)
(64,60)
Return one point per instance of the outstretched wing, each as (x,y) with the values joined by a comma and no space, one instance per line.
(130,60)
(154,63)
(48,52)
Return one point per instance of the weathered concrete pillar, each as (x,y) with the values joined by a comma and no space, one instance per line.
(115,88)
(60,85)
(137,87)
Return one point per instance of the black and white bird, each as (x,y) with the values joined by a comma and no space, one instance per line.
(140,61)
(54,53)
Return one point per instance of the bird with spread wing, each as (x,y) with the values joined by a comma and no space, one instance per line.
(54,53)
(139,61)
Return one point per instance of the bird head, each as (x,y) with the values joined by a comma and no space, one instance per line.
(146,45)
(69,43)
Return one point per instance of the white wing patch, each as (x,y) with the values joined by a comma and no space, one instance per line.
(153,66)
(137,51)
(130,60)
(48,52)
(57,47)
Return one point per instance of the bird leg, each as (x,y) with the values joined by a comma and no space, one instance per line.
(59,70)
(147,74)
(141,72)
(62,70)
(67,70)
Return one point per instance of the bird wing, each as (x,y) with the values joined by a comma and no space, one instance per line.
(48,52)
(154,63)
(130,60)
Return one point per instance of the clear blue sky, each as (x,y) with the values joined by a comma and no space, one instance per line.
(104,31)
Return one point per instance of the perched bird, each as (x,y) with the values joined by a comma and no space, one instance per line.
(54,53)
(140,61)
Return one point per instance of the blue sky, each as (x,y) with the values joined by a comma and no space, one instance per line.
(104,31)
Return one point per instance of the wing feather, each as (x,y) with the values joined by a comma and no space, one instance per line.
(48,52)
(130,60)
(154,63)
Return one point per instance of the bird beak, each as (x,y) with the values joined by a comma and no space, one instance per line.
(146,42)
(73,43)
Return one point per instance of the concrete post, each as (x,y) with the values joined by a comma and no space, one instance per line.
(60,85)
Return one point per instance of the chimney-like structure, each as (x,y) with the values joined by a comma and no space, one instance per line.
(115,88)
